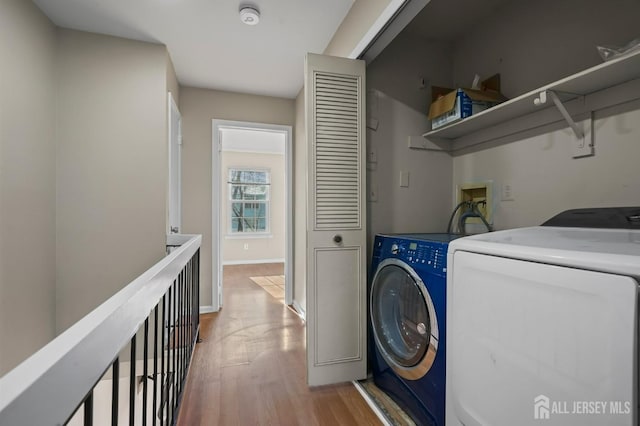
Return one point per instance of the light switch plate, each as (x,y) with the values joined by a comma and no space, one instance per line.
(404,179)
(373,193)
(372,155)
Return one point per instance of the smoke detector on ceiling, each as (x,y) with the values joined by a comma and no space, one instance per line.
(249,15)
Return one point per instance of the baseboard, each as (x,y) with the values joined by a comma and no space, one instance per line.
(206,309)
(374,407)
(298,308)
(252,262)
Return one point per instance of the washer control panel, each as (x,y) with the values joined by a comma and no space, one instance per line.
(431,255)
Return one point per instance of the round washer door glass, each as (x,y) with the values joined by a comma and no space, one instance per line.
(400,316)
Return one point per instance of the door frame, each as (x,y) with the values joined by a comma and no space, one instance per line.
(174,210)
(216,204)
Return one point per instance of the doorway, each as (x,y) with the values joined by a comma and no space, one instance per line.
(252,220)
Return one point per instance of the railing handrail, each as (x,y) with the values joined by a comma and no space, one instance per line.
(48,386)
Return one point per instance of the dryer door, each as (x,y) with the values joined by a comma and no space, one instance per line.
(403,319)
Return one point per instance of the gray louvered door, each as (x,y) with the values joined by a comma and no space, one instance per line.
(336,231)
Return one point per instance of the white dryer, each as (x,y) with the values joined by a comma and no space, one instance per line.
(543,323)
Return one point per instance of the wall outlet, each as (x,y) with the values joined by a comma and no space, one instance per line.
(507,192)
(246,246)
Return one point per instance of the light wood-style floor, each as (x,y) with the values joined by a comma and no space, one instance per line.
(250,368)
(272,284)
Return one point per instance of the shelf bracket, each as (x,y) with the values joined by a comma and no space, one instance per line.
(582,147)
(431,144)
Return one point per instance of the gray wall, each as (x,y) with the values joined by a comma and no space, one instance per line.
(424,205)
(362,15)
(300,167)
(400,106)
(111,167)
(545,179)
(27,181)
(398,70)
(198,108)
(532,43)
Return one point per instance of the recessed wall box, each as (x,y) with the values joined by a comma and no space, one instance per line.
(479,192)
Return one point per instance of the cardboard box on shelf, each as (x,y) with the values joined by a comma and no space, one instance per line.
(451,105)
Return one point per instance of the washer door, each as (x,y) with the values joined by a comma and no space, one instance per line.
(403,318)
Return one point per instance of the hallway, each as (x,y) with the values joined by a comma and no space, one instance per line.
(250,368)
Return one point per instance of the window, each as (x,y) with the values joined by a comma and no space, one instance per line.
(249,200)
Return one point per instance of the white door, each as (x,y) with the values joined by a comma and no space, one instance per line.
(175,146)
(336,228)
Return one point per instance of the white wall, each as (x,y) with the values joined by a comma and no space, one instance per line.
(544,177)
(532,43)
(27,181)
(546,180)
(400,106)
(424,205)
(259,248)
(198,107)
(172,80)
(111,167)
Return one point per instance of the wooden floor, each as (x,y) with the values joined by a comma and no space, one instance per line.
(250,367)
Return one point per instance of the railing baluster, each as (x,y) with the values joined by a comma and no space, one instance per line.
(190,306)
(145,371)
(155,365)
(132,383)
(183,332)
(88,410)
(198,292)
(182,346)
(167,386)
(189,310)
(195,309)
(115,376)
(179,339)
(173,341)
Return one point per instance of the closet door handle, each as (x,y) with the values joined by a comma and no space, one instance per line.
(337,238)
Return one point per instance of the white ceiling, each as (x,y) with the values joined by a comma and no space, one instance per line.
(208,44)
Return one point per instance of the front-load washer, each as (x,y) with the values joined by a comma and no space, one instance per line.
(543,323)
(407,303)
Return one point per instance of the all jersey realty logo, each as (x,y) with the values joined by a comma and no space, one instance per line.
(544,407)
(541,407)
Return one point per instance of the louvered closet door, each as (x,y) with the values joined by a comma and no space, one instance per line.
(336,252)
